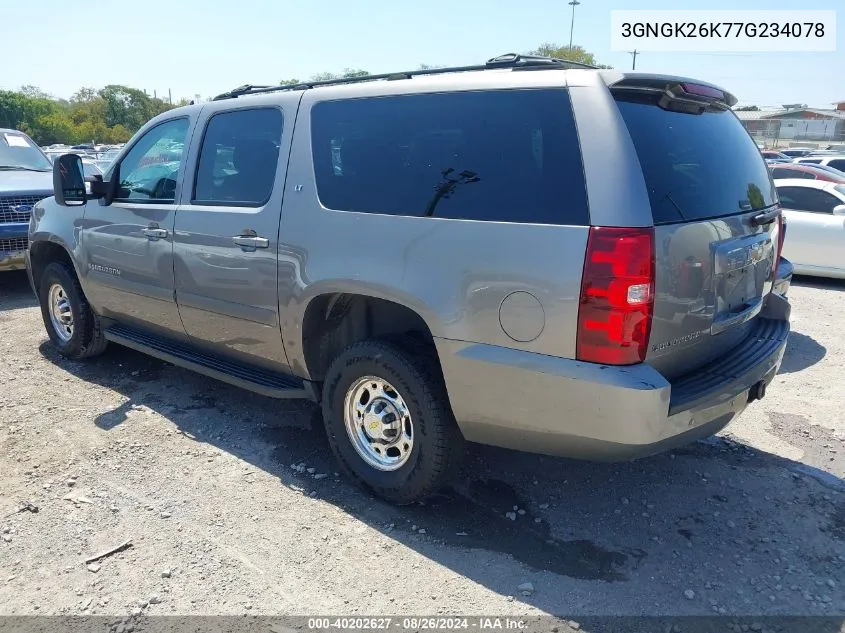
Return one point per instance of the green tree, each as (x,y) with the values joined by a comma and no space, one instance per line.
(574,54)
(34,92)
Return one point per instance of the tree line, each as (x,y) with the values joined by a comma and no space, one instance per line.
(114,113)
(109,115)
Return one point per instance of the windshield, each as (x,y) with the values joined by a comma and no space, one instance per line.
(18,152)
(696,166)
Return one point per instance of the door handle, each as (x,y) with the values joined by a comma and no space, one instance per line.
(154,232)
(251,241)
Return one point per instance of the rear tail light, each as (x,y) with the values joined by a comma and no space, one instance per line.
(617,296)
(780,237)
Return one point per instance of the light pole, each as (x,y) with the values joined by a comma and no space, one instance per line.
(573,4)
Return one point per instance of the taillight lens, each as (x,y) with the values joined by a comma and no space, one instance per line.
(617,296)
(780,237)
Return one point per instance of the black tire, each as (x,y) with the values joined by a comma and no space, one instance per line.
(438,444)
(87,338)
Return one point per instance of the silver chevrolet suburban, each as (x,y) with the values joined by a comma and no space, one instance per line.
(528,253)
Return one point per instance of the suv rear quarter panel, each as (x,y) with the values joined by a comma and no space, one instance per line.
(454,273)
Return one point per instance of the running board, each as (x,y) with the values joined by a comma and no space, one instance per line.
(267,383)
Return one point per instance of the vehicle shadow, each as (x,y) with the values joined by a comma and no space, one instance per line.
(802,351)
(15,292)
(717,518)
(821,283)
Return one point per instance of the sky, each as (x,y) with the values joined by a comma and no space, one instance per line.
(205,47)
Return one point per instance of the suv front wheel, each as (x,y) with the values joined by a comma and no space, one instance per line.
(389,422)
(71,324)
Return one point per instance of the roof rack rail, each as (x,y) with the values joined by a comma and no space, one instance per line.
(514,61)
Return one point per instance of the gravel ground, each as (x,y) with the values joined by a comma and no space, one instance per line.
(232,504)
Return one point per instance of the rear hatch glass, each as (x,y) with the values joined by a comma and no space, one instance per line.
(696,166)
(713,203)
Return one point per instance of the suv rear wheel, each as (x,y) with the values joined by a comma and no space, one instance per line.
(389,422)
(71,324)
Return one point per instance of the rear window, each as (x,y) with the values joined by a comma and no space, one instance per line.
(696,166)
(783,172)
(507,155)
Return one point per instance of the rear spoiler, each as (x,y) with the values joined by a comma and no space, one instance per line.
(680,88)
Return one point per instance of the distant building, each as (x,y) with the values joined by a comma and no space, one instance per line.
(796,123)
(840,106)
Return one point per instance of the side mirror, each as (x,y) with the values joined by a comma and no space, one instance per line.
(69,181)
(839,209)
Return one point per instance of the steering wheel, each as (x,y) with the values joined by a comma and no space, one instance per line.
(165,189)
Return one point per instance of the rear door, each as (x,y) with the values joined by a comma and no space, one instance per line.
(226,239)
(715,214)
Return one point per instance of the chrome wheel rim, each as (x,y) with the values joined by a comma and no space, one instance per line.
(61,315)
(378,423)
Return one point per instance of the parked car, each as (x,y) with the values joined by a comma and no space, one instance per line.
(806,171)
(815,212)
(446,274)
(837,161)
(771,154)
(90,168)
(25,178)
(796,152)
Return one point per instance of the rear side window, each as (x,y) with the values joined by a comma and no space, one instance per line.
(696,166)
(814,161)
(507,156)
(839,164)
(807,199)
(781,172)
(238,158)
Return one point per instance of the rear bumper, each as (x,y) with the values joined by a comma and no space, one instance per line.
(556,406)
(783,277)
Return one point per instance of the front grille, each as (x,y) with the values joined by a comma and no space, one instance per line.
(14,244)
(8,213)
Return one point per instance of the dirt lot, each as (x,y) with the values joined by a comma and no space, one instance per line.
(232,505)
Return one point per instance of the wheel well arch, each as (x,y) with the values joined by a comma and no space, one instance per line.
(45,252)
(333,321)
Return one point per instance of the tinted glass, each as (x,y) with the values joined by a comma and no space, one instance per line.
(839,164)
(509,156)
(807,199)
(149,170)
(784,172)
(239,156)
(696,166)
(18,152)
(814,161)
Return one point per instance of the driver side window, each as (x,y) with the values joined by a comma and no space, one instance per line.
(149,170)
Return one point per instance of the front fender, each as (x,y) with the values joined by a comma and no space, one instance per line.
(54,224)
